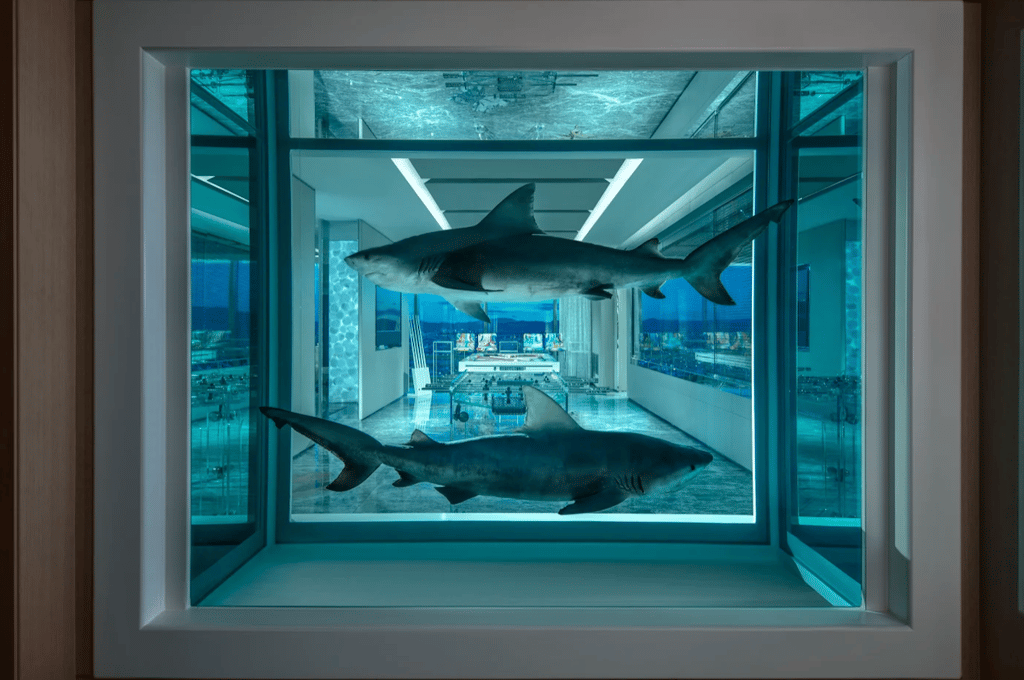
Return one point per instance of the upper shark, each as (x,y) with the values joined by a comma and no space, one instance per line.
(552,458)
(507,258)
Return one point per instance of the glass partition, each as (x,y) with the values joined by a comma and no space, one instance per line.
(687,336)
(825,168)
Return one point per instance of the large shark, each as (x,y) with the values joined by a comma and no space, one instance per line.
(551,458)
(523,265)
(512,216)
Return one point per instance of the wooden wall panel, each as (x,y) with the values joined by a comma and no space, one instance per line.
(45,325)
(84,331)
(8,330)
(969,333)
(1002,626)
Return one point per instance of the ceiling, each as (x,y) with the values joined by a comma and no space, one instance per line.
(516,106)
(530,105)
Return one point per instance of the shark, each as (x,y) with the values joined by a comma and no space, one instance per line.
(551,458)
(522,264)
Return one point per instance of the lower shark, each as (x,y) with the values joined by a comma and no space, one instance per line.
(551,458)
(524,265)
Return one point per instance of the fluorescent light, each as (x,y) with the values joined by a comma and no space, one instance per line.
(626,170)
(404,166)
(721,177)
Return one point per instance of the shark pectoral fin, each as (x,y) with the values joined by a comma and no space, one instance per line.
(544,413)
(602,500)
(352,476)
(473,309)
(711,287)
(455,496)
(655,291)
(514,215)
(405,479)
(598,292)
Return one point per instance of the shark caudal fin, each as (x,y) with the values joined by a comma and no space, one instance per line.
(357,450)
(703,267)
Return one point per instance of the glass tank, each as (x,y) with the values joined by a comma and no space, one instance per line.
(590,305)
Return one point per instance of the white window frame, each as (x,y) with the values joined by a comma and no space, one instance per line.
(143,625)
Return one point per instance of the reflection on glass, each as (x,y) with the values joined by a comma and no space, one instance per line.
(388,319)
(223,101)
(730,114)
(521,105)
(826,499)
(223,320)
(687,336)
(815,89)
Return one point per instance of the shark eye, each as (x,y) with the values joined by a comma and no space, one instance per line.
(692,468)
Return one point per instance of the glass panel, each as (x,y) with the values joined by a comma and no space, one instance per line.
(685,334)
(520,105)
(815,90)
(223,101)
(482,348)
(731,114)
(224,318)
(828,473)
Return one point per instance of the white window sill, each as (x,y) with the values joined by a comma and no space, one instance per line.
(515,575)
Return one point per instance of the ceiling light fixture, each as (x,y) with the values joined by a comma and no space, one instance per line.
(728,173)
(419,185)
(626,170)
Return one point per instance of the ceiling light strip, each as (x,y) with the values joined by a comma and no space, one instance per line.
(418,185)
(723,176)
(625,171)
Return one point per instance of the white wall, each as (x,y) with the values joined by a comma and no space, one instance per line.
(602,319)
(303,304)
(721,420)
(381,372)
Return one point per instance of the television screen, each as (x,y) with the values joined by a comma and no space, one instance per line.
(553,342)
(487,342)
(533,342)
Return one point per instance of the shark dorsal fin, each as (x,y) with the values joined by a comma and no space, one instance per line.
(650,248)
(420,439)
(514,215)
(544,413)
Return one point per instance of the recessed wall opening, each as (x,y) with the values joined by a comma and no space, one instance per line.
(410,347)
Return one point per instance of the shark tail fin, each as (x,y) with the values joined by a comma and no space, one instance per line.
(357,450)
(703,267)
